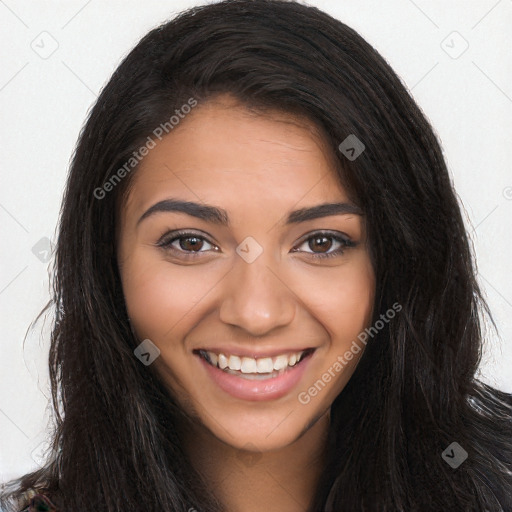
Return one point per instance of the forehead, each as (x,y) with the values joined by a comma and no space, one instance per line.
(222,152)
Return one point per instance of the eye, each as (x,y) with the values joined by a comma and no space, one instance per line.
(325,241)
(185,243)
(189,244)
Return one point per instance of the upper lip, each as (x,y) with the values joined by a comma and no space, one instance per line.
(244,352)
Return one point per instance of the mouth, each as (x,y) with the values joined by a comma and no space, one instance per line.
(261,378)
(254,368)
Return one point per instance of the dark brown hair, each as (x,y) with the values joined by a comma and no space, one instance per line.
(414,392)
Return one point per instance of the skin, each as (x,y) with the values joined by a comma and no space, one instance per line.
(258,168)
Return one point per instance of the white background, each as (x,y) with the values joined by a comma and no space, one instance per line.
(44,102)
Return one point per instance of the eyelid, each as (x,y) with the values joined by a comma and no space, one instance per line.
(325,232)
(345,241)
(169,237)
(182,233)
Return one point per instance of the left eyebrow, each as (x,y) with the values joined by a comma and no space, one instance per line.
(220,216)
(323,210)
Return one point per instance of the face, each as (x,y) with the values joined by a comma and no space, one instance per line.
(227,258)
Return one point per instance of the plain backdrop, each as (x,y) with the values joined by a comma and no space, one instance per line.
(453,56)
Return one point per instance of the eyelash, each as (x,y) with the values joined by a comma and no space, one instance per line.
(166,243)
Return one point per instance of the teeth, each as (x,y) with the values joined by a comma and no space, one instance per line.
(223,361)
(280,362)
(250,365)
(234,363)
(214,358)
(265,365)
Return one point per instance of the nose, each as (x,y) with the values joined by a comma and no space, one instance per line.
(256,299)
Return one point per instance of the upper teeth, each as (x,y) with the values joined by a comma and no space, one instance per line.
(252,365)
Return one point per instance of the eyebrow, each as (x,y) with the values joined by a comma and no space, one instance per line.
(220,216)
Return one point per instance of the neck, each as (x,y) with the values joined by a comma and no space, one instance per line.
(283,480)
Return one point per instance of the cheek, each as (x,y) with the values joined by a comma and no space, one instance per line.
(353,303)
(351,315)
(342,301)
(343,306)
(159,295)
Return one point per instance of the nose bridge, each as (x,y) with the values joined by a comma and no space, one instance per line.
(255,297)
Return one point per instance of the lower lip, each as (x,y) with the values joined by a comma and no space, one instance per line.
(257,390)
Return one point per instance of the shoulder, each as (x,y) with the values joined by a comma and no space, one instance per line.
(37,502)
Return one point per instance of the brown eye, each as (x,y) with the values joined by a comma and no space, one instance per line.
(191,243)
(321,243)
(185,244)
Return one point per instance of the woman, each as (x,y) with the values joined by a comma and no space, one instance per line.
(264,292)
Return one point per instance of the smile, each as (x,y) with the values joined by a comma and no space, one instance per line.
(261,378)
(251,365)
